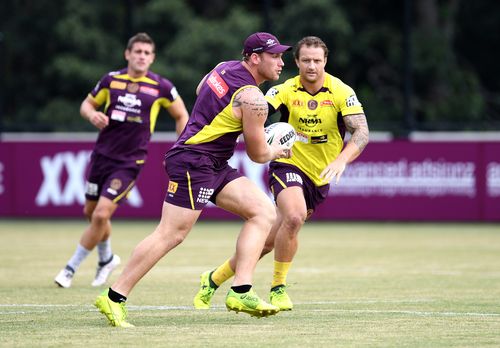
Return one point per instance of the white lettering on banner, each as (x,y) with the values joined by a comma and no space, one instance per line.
(426,178)
(73,192)
(493,179)
(2,189)
(51,192)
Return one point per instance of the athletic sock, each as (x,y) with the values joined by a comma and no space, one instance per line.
(116,297)
(222,273)
(80,254)
(241,289)
(104,251)
(104,263)
(280,273)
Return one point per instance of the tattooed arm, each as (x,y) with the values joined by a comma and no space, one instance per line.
(250,106)
(358,127)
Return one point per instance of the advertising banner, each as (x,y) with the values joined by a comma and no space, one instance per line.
(392,180)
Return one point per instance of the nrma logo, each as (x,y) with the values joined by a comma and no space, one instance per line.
(309,121)
(53,191)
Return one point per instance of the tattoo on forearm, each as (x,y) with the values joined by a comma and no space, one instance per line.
(358,127)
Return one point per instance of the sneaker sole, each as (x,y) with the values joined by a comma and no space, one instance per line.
(238,307)
(60,285)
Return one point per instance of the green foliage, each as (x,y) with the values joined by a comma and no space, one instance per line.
(53,53)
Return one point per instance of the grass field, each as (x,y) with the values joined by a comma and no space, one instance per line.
(353,284)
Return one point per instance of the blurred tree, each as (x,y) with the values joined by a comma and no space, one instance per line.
(54,52)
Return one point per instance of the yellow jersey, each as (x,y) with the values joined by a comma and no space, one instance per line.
(317,120)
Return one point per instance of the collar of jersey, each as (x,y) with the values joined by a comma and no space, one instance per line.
(136,79)
(325,88)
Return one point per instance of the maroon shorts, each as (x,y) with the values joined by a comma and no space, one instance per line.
(282,175)
(110,178)
(195,178)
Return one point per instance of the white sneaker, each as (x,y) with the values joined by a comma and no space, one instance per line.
(64,278)
(103,272)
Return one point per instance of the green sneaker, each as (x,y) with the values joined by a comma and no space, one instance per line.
(206,292)
(115,312)
(249,303)
(280,298)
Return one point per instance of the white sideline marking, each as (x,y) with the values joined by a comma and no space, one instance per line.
(43,308)
(417,313)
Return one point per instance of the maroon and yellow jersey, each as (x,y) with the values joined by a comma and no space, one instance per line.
(212,128)
(132,105)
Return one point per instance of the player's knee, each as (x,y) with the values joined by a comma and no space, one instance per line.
(177,238)
(87,212)
(294,220)
(100,216)
(268,216)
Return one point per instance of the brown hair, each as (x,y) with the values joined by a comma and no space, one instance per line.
(310,41)
(140,37)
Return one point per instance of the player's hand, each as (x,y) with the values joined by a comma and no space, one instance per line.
(99,119)
(334,169)
(280,151)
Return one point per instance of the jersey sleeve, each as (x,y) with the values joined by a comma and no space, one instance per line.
(168,93)
(347,101)
(275,96)
(101,90)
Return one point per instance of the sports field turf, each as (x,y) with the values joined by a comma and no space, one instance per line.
(353,285)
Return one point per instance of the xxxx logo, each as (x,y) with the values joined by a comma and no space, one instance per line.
(64,180)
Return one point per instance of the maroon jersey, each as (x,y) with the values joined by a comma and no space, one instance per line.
(132,105)
(212,129)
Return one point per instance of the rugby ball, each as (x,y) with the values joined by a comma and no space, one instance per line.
(281,133)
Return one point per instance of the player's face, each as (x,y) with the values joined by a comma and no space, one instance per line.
(139,57)
(270,66)
(311,64)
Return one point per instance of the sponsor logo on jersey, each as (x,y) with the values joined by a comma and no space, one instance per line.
(326,102)
(319,139)
(352,101)
(297,102)
(111,191)
(136,119)
(133,87)
(117,85)
(309,121)
(312,104)
(129,100)
(172,187)
(204,195)
(217,84)
(149,90)
(115,184)
(302,137)
(272,92)
(294,177)
(174,93)
(118,115)
(91,189)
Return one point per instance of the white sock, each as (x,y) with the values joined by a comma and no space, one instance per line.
(80,254)
(104,250)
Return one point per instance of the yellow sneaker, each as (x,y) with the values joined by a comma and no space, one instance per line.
(206,292)
(249,303)
(280,298)
(115,312)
